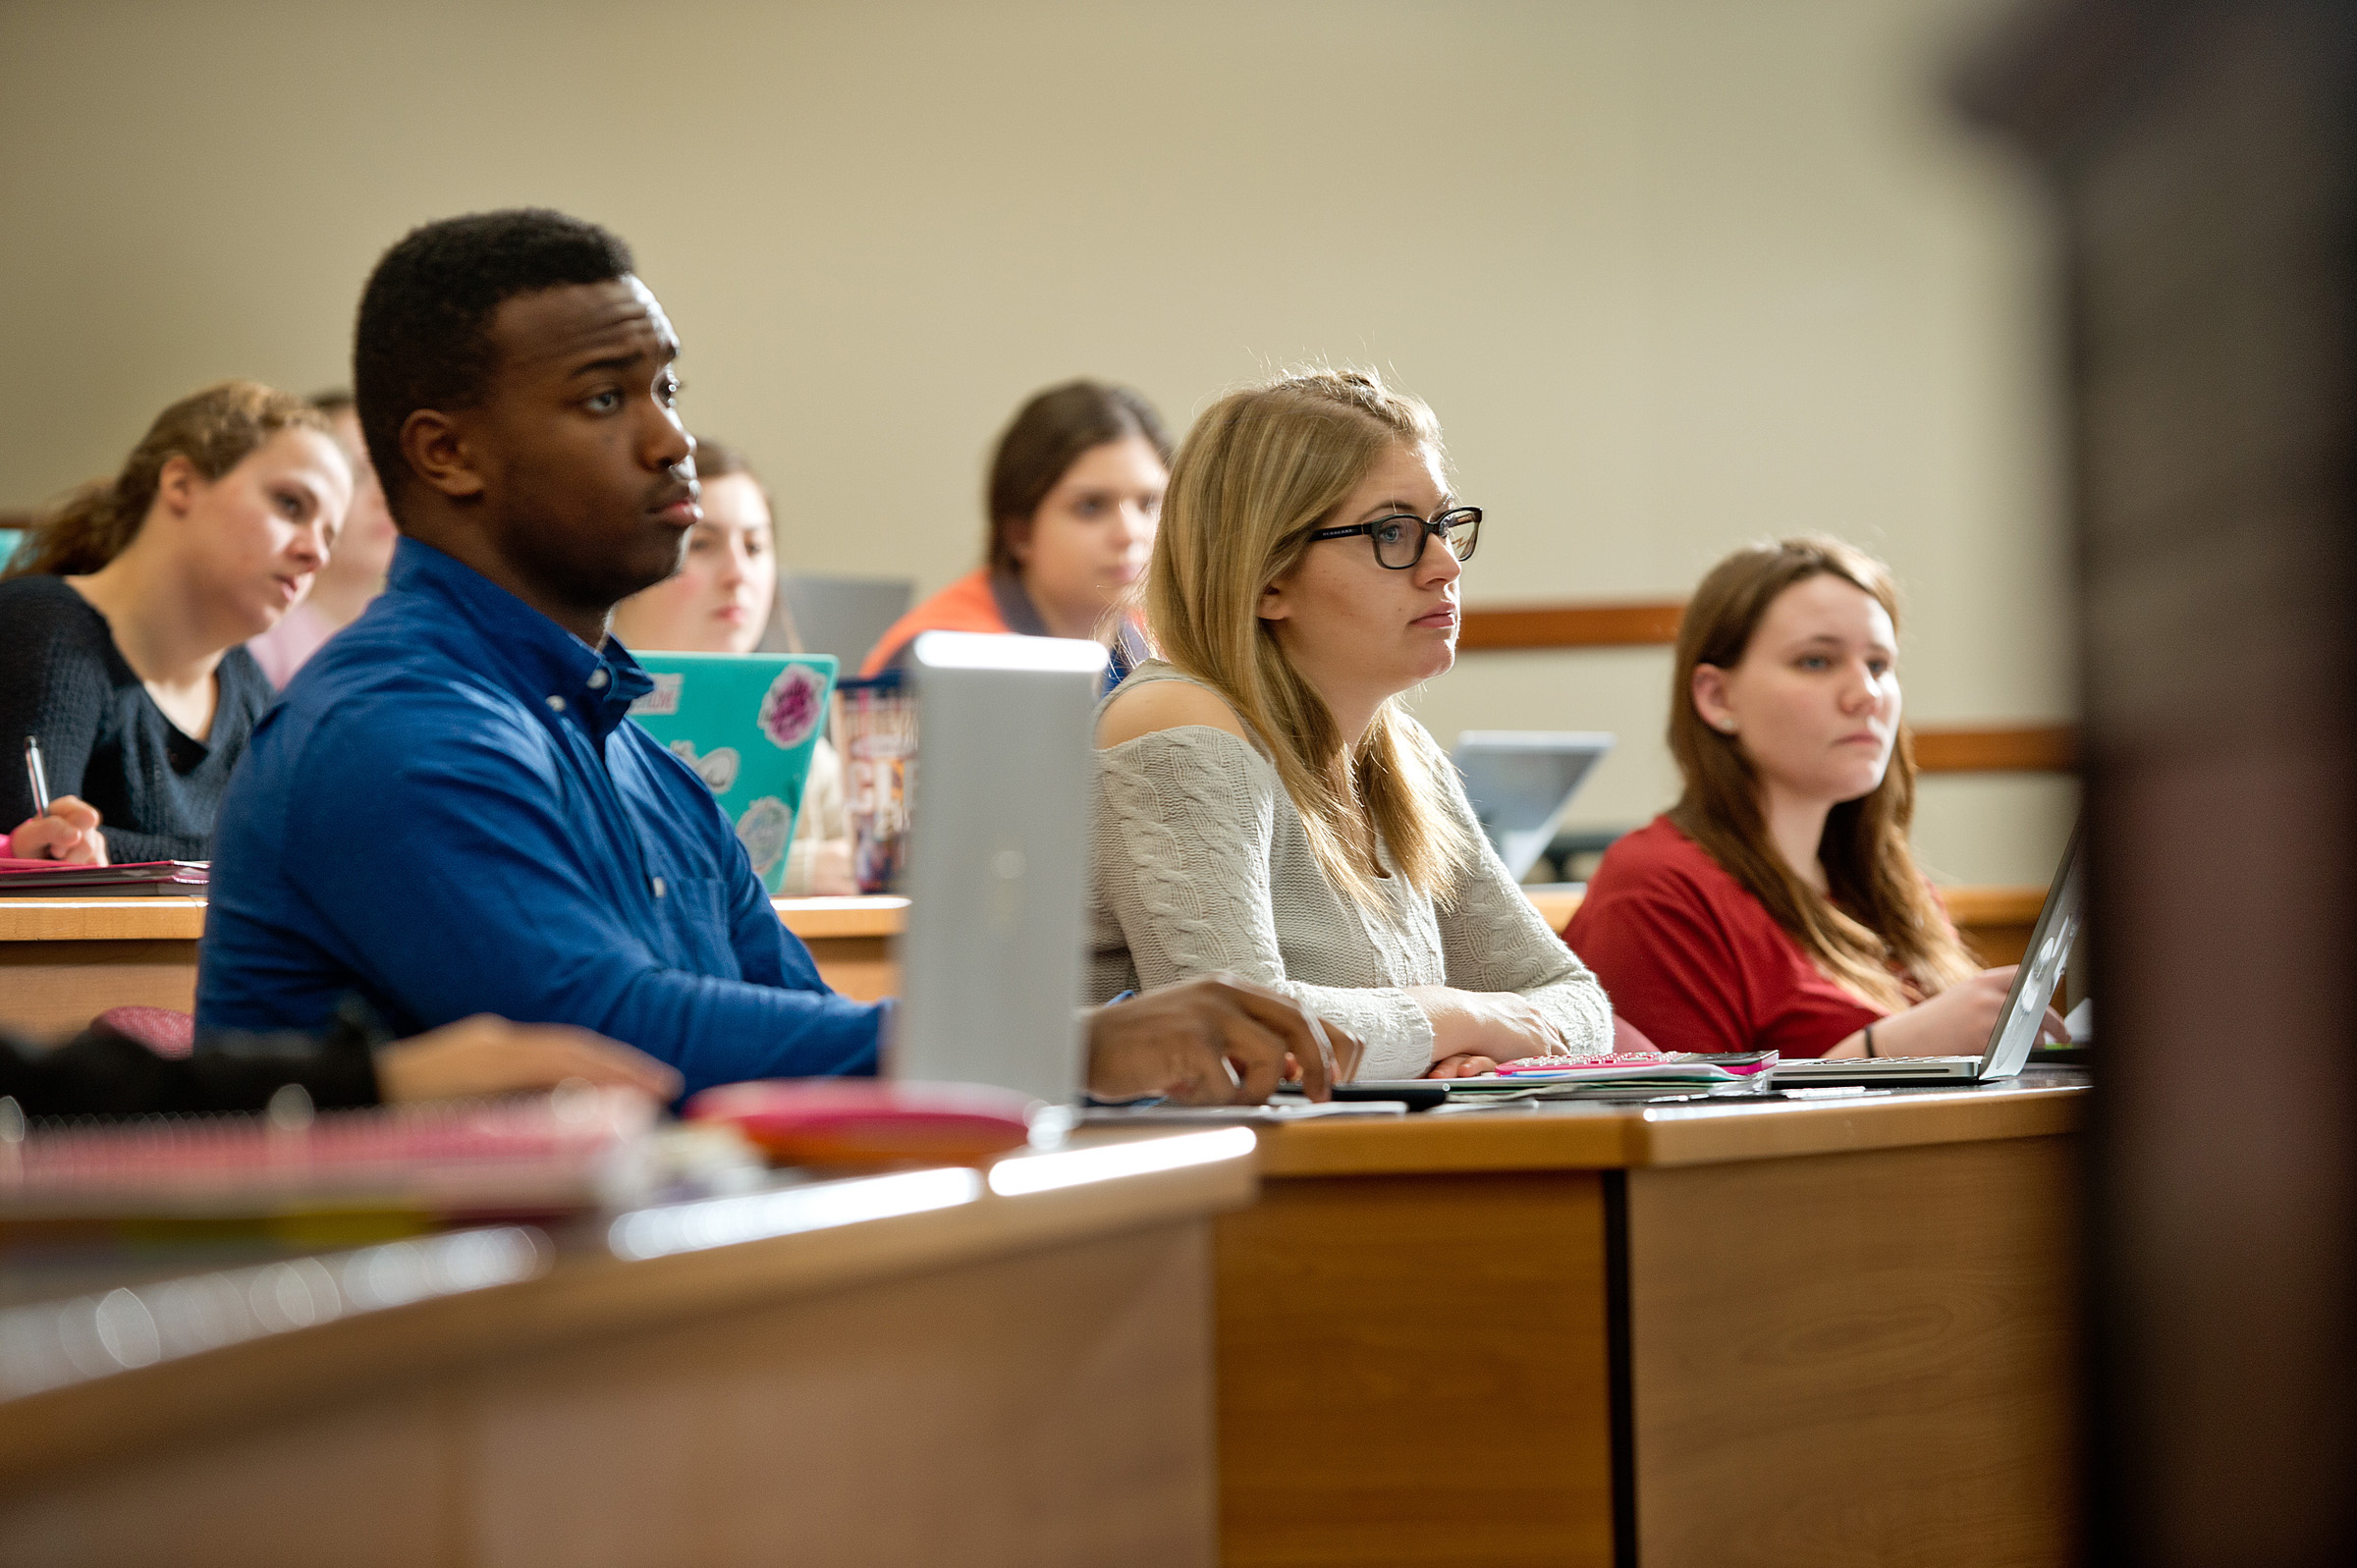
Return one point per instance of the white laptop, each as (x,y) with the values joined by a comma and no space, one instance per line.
(998,869)
(1520,782)
(2016,1032)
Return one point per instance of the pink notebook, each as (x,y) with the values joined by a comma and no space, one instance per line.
(28,879)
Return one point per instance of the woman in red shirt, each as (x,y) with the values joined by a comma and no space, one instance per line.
(1776,905)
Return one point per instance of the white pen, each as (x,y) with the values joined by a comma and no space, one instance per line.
(37,775)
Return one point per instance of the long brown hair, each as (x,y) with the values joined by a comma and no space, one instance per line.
(1261,469)
(1046,436)
(1880,916)
(715,460)
(215,429)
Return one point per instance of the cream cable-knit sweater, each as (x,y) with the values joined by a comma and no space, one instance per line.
(1201,865)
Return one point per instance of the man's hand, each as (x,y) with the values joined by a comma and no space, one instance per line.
(488,1056)
(1215,1041)
(69,833)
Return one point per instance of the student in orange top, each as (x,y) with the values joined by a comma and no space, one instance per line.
(1075,492)
(1777,907)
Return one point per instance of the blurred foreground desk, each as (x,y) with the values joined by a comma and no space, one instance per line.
(1816,1335)
(905,1368)
(63,962)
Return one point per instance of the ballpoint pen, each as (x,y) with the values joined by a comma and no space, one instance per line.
(37,775)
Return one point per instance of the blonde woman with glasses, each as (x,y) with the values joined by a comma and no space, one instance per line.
(1266,808)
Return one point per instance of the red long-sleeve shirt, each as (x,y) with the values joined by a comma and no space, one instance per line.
(1695,962)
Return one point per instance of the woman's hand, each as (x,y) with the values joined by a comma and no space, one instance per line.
(1957,1022)
(488,1056)
(69,833)
(1487,1027)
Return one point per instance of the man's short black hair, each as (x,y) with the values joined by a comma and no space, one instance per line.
(424,335)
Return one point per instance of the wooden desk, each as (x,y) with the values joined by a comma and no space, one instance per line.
(1003,1381)
(1994,922)
(1811,1334)
(63,962)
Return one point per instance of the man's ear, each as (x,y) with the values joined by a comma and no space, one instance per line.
(439,455)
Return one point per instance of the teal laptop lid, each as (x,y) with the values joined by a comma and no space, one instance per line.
(746,723)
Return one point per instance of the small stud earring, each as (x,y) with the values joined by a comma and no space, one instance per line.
(1728,725)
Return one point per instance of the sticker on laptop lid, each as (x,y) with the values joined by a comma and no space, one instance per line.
(664,700)
(790,710)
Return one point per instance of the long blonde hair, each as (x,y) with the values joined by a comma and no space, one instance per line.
(215,429)
(1880,915)
(1259,471)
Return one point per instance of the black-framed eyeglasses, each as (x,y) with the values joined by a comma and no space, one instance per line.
(1400,538)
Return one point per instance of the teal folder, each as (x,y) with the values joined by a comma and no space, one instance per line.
(746,724)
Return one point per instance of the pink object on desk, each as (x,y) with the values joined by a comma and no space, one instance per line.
(166,1031)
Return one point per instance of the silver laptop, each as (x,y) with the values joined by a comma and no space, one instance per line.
(1520,782)
(997,870)
(2016,1032)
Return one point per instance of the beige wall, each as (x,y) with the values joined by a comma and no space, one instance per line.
(1675,273)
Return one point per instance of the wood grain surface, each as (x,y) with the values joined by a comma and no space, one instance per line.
(1414,1371)
(1048,1408)
(583,1298)
(1571,1137)
(1857,1359)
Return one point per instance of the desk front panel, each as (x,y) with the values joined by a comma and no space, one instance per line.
(1857,1359)
(1413,1370)
(1046,1408)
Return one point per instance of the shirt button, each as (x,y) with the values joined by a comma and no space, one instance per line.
(556,704)
(597,680)
(658,887)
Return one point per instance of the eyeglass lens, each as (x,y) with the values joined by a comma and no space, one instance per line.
(1399,541)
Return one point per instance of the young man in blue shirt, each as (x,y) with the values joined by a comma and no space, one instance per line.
(446,813)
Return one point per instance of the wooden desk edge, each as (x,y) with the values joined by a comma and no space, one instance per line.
(182,919)
(580,1297)
(1507,1140)
(812,919)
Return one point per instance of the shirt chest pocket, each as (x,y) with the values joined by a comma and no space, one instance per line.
(691,914)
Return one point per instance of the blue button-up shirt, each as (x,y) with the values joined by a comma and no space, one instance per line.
(447,814)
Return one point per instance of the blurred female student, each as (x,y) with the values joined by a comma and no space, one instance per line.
(1776,905)
(1075,489)
(352,578)
(126,610)
(720,601)
(1265,805)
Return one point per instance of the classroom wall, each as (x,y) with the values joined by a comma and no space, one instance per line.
(1675,273)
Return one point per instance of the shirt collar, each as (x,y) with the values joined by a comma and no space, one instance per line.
(541,662)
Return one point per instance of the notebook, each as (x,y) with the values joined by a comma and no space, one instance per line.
(54,879)
(1565,1077)
(748,724)
(2017,1030)
(450,1161)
